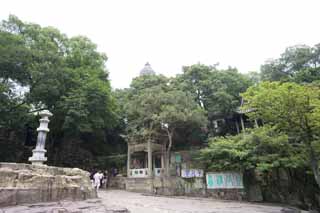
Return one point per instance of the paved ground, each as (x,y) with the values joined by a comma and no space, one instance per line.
(139,203)
(117,201)
(88,206)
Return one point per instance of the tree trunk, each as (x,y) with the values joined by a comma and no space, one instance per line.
(315,166)
(314,161)
(167,164)
(167,157)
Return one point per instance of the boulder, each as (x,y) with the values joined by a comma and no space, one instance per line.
(25,183)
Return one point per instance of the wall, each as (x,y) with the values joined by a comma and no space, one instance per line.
(118,182)
(139,184)
(295,187)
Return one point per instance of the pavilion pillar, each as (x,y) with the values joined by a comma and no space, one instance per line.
(242,123)
(149,159)
(128,161)
(146,159)
(162,160)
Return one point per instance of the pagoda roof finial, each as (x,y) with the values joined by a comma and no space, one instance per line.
(147,70)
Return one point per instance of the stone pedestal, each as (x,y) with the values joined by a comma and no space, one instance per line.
(38,157)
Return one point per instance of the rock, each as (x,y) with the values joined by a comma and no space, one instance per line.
(62,210)
(290,210)
(25,183)
(117,210)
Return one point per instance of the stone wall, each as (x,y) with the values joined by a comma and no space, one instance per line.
(139,185)
(177,186)
(226,194)
(25,183)
(118,182)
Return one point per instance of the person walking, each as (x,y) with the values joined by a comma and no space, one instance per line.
(105,179)
(97,177)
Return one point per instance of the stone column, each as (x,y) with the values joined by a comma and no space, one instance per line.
(149,159)
(128,161)
(38,157)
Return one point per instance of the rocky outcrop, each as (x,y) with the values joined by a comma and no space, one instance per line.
(25,183)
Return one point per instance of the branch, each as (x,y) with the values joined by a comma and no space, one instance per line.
(37,110)
(16,106)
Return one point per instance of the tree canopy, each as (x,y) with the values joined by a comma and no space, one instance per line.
(216,91)
(262,148)
(42,68)
(299,63)
(293,109)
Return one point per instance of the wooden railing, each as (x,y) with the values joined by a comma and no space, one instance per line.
(142,173)
(139,172)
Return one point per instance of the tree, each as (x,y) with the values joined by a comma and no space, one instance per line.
(216,91)
(157,110)
(178,110)
(66,76)
(298,63)
(262,148)
(293,109)
(41,68)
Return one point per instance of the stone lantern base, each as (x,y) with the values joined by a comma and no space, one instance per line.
(38,157)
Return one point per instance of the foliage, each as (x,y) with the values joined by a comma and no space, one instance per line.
(67,76)
(262,148)
(41,68)
(299,63)
(150,107)
(294,110)
(290,107)
(216,91)
(157,111)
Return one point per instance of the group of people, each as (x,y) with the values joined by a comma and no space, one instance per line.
(99,179)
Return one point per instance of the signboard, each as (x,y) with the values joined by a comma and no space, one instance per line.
(222,180)
(178,158)
(190,173)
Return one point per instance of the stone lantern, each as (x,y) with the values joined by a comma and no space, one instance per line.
(38,157)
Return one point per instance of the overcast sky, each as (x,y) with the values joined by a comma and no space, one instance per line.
(173,33)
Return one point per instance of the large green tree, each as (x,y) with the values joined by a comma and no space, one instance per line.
(41,68)
(216,91)
(263,149)
(159,111)
(292,109)
(299,63)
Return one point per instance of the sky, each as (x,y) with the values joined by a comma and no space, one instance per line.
(170,34)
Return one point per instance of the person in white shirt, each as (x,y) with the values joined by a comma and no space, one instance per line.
(97,177)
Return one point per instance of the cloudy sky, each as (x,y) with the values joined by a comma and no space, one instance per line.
(173,33)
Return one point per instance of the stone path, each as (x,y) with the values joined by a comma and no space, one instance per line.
(118,201)
(139,203)
(88,206)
